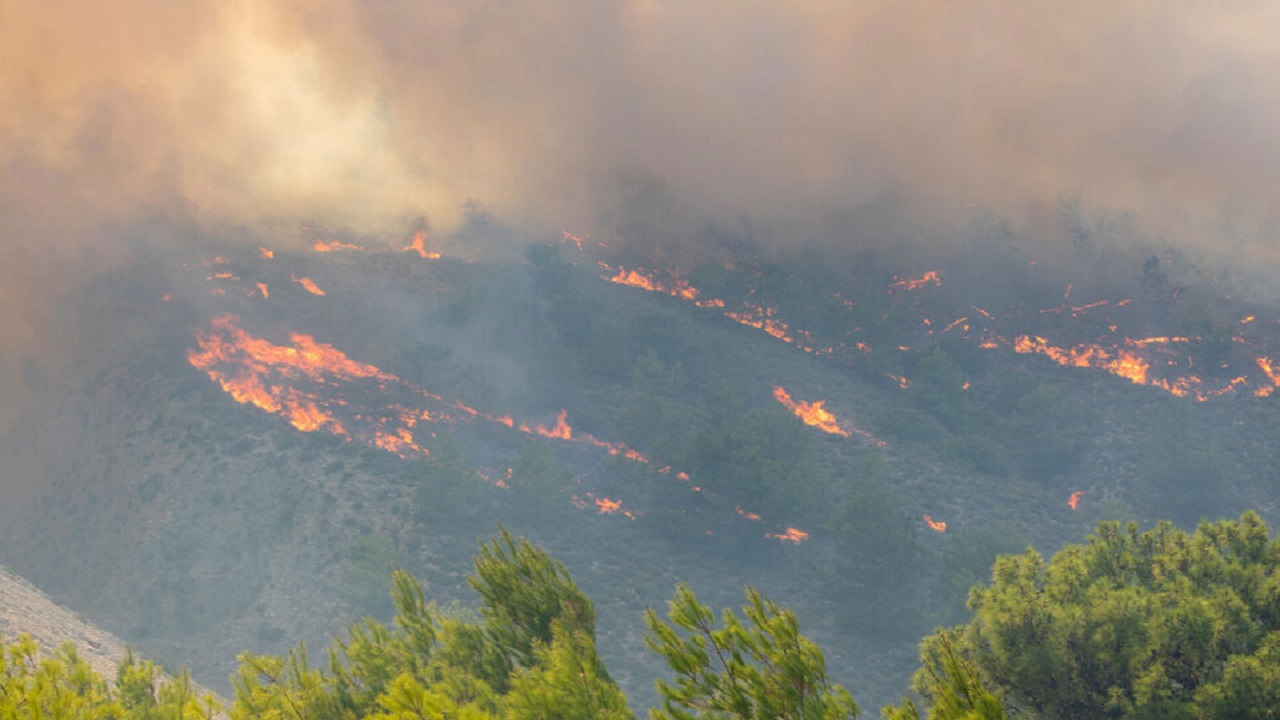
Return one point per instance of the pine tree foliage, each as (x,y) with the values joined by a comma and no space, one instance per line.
(531,657)
(523,592)
(1157,624)
(62,686)
(566,683)
(951,687)
(761,670)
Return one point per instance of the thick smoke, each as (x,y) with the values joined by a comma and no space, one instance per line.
(365,115)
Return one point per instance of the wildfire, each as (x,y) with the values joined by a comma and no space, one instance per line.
(262,288)
(791,535)
(647,280)
(309,284)
(254,359)
(419,246)
(936,525)
(753,517)
(1117,361)
(1125,361)
(274,378)
(605,506)
(1269,369)
(266,253)
(761,317)
(321,246)
(810,413)
(929,278)
(1131,358)
(1074,500)
(560,430)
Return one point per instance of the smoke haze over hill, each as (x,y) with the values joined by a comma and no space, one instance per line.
(1012,358)
(361,113)
(844,121)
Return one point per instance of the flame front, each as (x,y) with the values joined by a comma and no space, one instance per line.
(929,278)
(1129,358)
(309,284)
(1268,368)
(1117,361)
(560,430)
(937,525)
(256,360)
(647,280)
(810,413)
(321,246)
(791,535)
(1074,500)
(419,246)
(315,387)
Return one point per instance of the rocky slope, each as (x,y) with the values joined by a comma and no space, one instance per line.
(24,610)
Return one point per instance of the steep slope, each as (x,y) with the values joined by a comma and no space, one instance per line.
(198,526)
(24,610)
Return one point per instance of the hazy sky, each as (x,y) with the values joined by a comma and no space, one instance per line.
(364,115)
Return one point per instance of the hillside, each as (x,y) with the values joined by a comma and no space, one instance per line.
(237,462)
(24,610)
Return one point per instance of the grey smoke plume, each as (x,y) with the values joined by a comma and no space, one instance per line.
(365,114)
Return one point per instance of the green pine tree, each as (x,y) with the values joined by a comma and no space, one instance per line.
(761,670)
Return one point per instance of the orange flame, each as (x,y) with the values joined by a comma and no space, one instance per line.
(273,378)
(228,344)
(606,506)
(761,317)
(1268,368)
(929,278)
(791,535)
(321,246)
(266,292)
(1126,364)
(307,283)
(419,246)
(937,525)
(1074,500)
(266,254)
(570,237)
(810,413)
(645,280)
(753,517)
(560,430)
